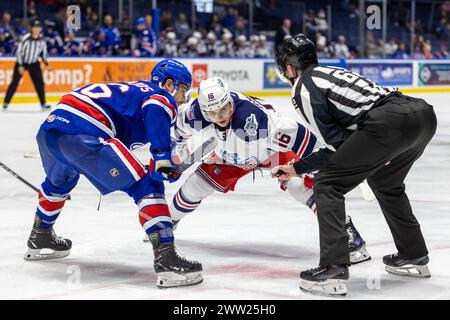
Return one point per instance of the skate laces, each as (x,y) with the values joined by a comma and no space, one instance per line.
(58,240)
(182,257)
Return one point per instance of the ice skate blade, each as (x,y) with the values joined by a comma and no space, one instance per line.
(36,255)
(329,288)
(409,270)
(360,255)
(173,280)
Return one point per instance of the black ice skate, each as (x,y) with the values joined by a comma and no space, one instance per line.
(173,270)
(356,244)
(46,107)
(44,244)
(325,280)
(416,268)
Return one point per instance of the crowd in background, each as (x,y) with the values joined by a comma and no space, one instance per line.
(224,36)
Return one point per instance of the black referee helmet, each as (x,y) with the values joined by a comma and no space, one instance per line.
(298,51)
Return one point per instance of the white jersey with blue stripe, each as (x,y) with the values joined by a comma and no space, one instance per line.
(135,112)
(255,133)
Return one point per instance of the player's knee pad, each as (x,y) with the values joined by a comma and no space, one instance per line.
(189,197)
(297,189)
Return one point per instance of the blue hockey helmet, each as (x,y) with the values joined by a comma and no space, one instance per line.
(140,20)
(173,69)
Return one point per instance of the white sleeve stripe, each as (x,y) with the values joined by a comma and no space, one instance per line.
(349,110)
(96,106)
(162,105)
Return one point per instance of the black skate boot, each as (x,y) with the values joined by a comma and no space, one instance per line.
(325,280)
(173,270)
(416,268)
(356,244)
(46,107)
(45,239)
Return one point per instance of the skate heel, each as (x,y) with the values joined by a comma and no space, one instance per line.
(331,287)
(171,279)
(45,254)
(410,270)
(360,255)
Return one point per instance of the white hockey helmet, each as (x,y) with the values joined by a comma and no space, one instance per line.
(213,94)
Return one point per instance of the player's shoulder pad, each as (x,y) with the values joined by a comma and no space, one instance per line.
(194,116)
(250,122)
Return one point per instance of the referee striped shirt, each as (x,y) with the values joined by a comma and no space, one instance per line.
(333,101)
(31,49)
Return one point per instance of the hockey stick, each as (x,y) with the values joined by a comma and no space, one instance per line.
(17,176)
(194,157)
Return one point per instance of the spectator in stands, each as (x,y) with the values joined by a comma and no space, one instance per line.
(390,47)
(418,46)
(371,45)
(441,29)
(201,45)
(6,42)
(112,36)
(239,28)
(427,54)
(72,47)
(145,38)
(401,52)
(189,50)
(263,49)
(283,32)
(182,27)
(340,48)
(215,25)
(321,46)
(211,44)
(166,21)
(100,46)
(225,47)
(229,20)
(91,20)
(243,50)
(126,33)
(170,46)
(445,10)
(7,25)
(319,23)
(347,7)
(31,11)
(87,47)
(55,44)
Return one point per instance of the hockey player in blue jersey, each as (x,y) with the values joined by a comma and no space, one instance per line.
(91,133)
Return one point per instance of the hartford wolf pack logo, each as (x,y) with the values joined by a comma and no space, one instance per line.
(251,125)
(234,158)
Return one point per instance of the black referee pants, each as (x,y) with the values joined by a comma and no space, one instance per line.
(36,76)
(382,149)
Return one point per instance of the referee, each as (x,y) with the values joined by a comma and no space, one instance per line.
(30,49)
(369,132)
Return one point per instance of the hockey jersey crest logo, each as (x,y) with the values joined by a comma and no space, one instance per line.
(251,125)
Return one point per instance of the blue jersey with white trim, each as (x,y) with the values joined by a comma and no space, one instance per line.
(255,133)
(134,112)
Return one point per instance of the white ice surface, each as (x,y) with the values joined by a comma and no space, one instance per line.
(252,242)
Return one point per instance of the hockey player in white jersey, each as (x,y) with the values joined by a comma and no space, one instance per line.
(250,136)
